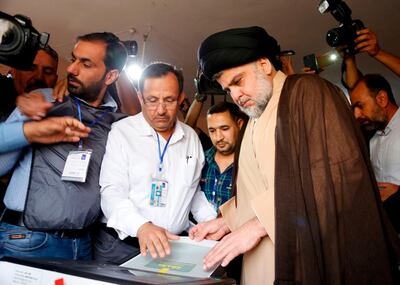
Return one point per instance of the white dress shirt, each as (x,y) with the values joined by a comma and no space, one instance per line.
(385,152)
(128,166)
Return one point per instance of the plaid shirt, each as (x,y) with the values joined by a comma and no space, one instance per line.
(217,186)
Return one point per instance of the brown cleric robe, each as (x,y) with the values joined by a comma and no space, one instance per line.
(321,208)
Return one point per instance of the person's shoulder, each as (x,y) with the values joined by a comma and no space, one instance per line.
(127,122)
(187,129)
(311,82)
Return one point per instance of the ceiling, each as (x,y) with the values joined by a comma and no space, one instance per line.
(176,27)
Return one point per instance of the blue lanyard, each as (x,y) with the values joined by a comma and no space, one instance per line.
(91,124)
(161,155)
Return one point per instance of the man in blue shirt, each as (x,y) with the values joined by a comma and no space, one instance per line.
(224,121)
(17,135)
(97,60)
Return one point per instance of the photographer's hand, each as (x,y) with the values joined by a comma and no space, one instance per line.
(60,90)
(367,41)
(33,105)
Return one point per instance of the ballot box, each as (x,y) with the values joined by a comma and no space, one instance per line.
(26,271)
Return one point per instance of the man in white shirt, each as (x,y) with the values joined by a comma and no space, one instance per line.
(150,173)
(375,109)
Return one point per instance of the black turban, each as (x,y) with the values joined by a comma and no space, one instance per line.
(236,47)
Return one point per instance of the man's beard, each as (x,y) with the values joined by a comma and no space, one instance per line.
(377,122)
(88,93)
(226,151)
(262,97)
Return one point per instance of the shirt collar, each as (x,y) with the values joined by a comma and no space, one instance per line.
(210,158)
(210,155)
(144,129)
(394,121)
(108,100)
(278,81)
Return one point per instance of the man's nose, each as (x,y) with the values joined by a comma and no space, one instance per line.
(219,135)
(161,108)
(357,113)
(235,94)
(73,68)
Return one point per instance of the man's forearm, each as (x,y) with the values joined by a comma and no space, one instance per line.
(389,60)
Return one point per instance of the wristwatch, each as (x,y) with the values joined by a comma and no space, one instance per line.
(200,97)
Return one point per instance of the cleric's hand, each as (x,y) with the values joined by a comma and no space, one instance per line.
(213,230)
(239,241)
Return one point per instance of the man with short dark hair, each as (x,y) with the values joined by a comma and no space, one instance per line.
(53,196)
(376,110)
(150,173)
(224,121)
(304,189)
(43,74)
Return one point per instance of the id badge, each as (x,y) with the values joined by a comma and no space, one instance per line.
(76,166)
(159,192)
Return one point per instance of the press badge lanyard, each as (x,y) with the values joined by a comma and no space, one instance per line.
(159,185)
(77,163)
(161,155)
(91,124)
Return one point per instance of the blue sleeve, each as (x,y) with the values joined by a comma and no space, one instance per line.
(12,131)
(12,136)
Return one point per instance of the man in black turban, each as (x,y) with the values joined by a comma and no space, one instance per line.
(307,208)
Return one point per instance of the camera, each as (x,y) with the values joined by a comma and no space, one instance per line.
(319,62)
(346,33)
(19,41)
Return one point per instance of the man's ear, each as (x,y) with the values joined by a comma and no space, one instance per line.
(240,123)
(265,65)
(111,76)
(181,97)
(140,97)
(382,99)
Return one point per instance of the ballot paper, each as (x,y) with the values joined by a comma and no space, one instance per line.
(186,259)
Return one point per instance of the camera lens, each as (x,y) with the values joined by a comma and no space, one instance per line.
(9,36)
(336,37)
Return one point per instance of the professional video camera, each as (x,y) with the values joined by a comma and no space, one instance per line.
(19,41)
(345,34)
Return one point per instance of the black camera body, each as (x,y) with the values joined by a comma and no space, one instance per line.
(346,33)
(19,41)
(206,86)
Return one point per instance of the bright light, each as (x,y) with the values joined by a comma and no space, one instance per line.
(133,71)
(333,57)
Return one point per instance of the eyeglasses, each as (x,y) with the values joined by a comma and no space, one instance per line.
(153,103)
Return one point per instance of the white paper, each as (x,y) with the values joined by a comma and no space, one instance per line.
(186,259)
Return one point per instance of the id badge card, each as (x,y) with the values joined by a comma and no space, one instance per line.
(76,166)
(159,192)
